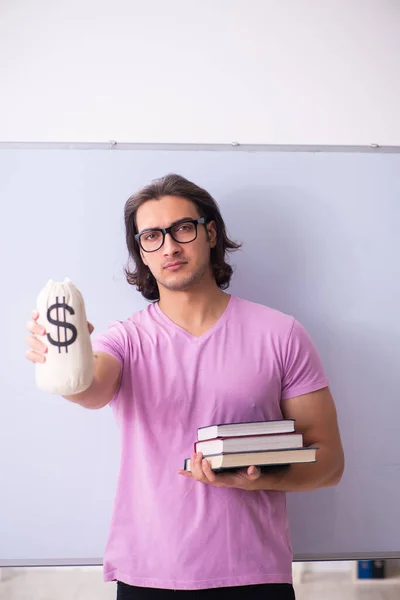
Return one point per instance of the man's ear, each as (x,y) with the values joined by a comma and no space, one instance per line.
(212,233)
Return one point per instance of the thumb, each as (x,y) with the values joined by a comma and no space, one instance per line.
(253,473)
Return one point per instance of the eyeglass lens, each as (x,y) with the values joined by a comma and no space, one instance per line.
(183,233)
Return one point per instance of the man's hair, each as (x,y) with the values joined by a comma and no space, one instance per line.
(175,185)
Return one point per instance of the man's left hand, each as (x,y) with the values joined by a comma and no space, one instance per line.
(201,471)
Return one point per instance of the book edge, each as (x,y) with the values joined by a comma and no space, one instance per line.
(247,423)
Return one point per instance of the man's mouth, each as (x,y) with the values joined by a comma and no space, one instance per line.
(174,266)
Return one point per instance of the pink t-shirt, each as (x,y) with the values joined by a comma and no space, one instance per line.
(168,531)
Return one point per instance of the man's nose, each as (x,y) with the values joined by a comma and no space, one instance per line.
(170,247)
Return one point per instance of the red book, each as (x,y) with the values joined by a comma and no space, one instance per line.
(252,443)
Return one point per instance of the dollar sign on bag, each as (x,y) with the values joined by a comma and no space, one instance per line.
(62,323)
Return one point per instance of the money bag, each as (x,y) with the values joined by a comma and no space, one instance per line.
(68,368)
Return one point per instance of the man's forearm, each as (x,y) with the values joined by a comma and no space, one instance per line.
(326,472)
(104,384)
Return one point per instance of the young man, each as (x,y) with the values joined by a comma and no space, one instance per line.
(197,356)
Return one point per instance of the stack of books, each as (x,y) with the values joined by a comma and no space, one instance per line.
(259,443)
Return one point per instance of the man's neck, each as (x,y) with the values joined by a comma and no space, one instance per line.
(196,310)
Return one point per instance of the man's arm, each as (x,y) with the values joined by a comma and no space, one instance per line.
(315,416)
(106,379)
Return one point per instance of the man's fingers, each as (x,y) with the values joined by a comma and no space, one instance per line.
(35,357)
(35,328)
(208,472)
(196,467)
(36,344)
(195,463)
(201,471)
(184,473)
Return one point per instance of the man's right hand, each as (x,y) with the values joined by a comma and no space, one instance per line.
(38,350)
(107,369)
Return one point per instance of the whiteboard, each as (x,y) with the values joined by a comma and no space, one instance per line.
(320,234)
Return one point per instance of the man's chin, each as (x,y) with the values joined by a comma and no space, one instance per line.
(179,284)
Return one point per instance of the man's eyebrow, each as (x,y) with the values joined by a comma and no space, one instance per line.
(171,224)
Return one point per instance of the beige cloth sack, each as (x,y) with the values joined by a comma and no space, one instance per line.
(68,368)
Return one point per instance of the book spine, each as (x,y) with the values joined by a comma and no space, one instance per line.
(378,569)
(364,569)
(371,569)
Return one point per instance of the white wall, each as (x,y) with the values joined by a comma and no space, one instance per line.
(202,71)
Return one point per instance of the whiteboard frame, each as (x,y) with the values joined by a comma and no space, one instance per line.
(96,562)
(233,146)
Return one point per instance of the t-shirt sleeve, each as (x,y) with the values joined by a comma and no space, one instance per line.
(113,342)
(303,369)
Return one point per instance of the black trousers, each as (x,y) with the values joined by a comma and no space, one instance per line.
(266,591)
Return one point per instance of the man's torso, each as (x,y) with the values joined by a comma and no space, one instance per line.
(168,531)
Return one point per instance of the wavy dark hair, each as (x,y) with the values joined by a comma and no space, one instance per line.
(175,185)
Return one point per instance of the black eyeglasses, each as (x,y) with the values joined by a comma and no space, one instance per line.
(184,232)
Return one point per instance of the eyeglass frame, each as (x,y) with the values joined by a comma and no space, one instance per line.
(164,231)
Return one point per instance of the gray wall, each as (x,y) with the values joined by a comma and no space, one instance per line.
(320,233)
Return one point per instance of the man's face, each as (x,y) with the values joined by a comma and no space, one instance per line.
(176,266)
